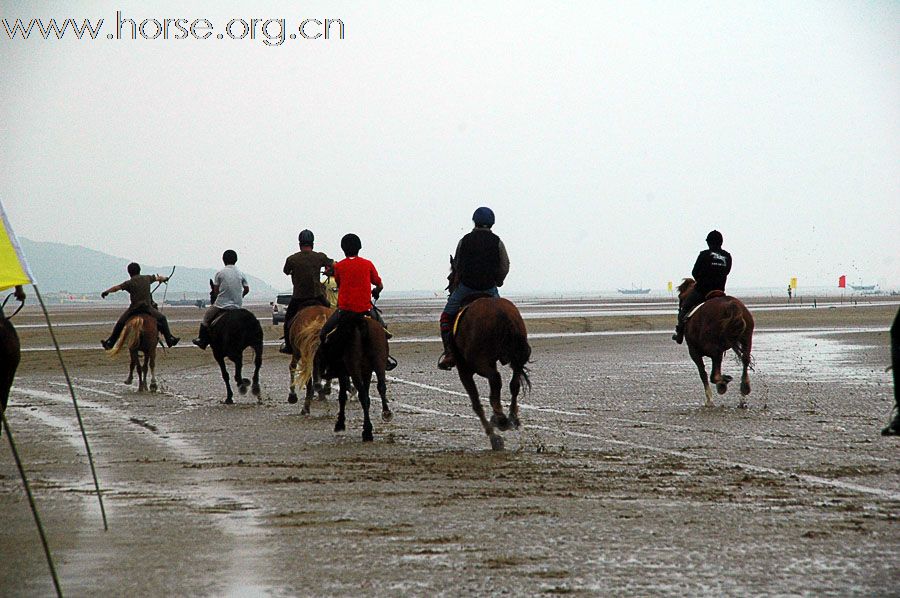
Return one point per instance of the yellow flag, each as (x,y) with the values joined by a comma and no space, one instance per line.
(794,283)
(14,269)
(670,286)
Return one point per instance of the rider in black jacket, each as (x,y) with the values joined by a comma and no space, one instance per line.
(710,274)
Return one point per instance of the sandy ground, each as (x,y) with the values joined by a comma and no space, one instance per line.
(618,483)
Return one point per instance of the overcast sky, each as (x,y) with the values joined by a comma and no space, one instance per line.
(608,138)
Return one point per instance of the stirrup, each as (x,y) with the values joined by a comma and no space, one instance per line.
(391,364)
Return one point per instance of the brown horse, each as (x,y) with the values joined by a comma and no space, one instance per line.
(490,330)
(719,324)
(355,350)
(140,335)
(304,331)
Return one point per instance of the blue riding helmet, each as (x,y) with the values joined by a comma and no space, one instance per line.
(483,217)
(306,237)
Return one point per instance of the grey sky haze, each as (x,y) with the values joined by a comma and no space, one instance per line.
(608,137)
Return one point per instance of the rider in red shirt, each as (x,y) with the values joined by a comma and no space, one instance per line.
(355,277)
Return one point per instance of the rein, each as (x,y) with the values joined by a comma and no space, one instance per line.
(18,309)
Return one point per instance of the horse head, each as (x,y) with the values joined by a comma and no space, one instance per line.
(453,277)
(213,294)
(685,287)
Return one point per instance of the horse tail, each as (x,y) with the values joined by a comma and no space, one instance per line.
(307,343)
(733,328)
(130,336)
(514,349)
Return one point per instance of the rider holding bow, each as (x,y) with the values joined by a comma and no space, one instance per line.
(138,287)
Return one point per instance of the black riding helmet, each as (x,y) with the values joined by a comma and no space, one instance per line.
(306,237)
(351,244)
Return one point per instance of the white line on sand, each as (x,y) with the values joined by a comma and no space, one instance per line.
(809,479)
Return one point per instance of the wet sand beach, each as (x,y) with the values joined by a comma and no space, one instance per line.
(618,483)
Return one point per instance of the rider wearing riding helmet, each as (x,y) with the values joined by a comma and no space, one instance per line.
(355,277)
(229,286)
(482,264)
(304,268)
(710,274)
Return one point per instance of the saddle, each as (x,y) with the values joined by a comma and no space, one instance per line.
(466,302)
(222,314)
(714,294)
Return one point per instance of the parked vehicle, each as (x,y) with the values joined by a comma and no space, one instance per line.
(279,308)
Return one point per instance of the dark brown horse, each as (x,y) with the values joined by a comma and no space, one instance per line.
(305,367)
(229,334)
(355,350)
(140,335)
(490,330)
(719,324)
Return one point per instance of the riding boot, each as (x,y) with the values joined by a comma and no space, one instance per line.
(446,362)
(163,325)
(678,337)
(202,339)
(391,364)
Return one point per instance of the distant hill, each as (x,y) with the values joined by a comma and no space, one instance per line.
(81,271)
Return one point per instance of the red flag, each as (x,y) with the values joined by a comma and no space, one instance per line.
(842,281)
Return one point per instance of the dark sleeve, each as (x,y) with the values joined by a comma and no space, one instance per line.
(698,270)
(287,266)
(728,268)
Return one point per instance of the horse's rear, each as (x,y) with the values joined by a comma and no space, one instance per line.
(140,335)
(10,353)
(721,324)
(229,334)
(304,337)
(492,330)
(357,349)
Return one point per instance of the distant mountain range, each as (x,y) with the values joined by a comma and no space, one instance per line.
(78,270)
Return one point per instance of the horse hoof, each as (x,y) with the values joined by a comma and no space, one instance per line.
(514,421)
(387,415)
(367,436)
(229,401)
(304,411)
(128,381)
(242,387)
(721,388)
(292,398)
(153,387)
(496,443)
(339,427)
(255,390)
(745,388)
(501,422)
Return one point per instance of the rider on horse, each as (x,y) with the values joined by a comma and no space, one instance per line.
(304,267)
(482,264)
(229,286)
(355,277)
(710,273)
(138,287)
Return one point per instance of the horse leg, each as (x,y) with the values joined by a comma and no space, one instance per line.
(515,385)
(144,369)
(717,378)
(340,425)
(698,359)
(257,364)
(292,392)
(497,418)
(229,398)
(381,385)
(131,367)
(468,382)
(745,361)
(242,382)
(152,363)
(307,401)
(362,386)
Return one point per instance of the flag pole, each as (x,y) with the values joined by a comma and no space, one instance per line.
(74,402)
(37,518)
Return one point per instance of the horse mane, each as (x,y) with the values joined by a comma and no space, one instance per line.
(685,283)
(130,334)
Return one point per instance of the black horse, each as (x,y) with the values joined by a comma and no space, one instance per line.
(229,334)
(9,359)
